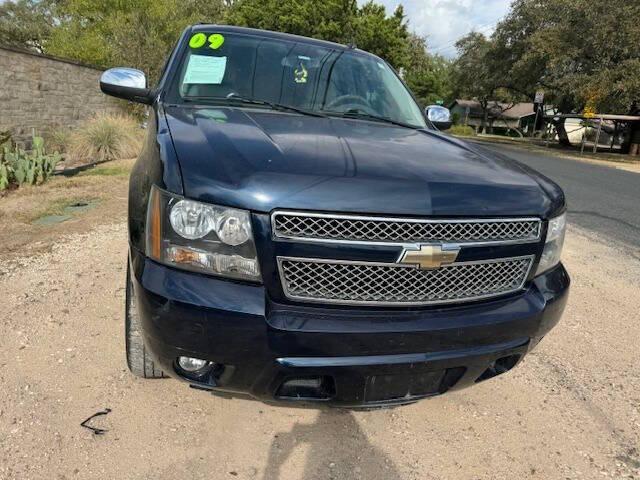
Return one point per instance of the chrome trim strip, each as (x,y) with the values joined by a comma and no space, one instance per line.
(396,265)
(276,236)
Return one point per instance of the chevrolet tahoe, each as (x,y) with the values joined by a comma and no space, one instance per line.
(301,231)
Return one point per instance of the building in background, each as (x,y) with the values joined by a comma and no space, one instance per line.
(501,118)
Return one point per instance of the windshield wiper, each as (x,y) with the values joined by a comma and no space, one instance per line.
(233,98)
(359,114)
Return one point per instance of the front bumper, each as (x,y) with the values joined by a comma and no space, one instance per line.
(363,357)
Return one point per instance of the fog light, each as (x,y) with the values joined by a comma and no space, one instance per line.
(192,365)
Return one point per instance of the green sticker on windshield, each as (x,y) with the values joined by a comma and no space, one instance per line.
(198,40)
(215,41)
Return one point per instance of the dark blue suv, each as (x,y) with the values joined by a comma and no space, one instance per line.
(300,231)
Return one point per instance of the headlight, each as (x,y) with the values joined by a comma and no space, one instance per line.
(192,220)
(233,228)
(201,237)
(553,244)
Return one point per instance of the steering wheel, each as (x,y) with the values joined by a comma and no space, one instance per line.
(350,99)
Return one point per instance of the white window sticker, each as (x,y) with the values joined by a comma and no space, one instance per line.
(203,69)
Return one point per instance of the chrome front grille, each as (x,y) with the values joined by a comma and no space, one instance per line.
(334,281)
(348,228)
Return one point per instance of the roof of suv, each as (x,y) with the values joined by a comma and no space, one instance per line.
(275,35)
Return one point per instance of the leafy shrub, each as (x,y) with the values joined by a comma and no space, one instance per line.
(462,130)
(106,137)
(18,166)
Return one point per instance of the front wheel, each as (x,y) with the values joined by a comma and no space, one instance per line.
(138,359)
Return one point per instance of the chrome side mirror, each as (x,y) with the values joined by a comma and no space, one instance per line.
(127,83)
(439,116)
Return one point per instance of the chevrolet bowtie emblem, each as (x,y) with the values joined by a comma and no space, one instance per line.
(429,256)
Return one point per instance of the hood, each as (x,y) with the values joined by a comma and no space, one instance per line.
(262,160)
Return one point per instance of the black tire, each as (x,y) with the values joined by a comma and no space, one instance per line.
(138,359)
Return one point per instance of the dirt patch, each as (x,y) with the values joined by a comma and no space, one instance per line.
(62,210)
(571,410)
(34,217)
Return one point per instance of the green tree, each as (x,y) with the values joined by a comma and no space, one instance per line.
(328,20)
(368,27)
(136,33)
(427,75)
(476,75)
(581,52)
(27,23)
(382,35)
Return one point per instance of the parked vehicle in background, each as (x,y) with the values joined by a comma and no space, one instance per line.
(301,232)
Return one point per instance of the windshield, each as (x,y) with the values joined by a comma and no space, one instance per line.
(232,68)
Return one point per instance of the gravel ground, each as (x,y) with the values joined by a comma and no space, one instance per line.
(570,410)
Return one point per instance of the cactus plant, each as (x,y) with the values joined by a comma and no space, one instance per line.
(4,176)
(6,172)
(22,167)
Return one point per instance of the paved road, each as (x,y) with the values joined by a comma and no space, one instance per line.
(600,198)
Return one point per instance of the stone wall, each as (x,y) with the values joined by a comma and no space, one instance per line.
(43,93)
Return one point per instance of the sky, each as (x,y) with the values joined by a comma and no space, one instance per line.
(443,22)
